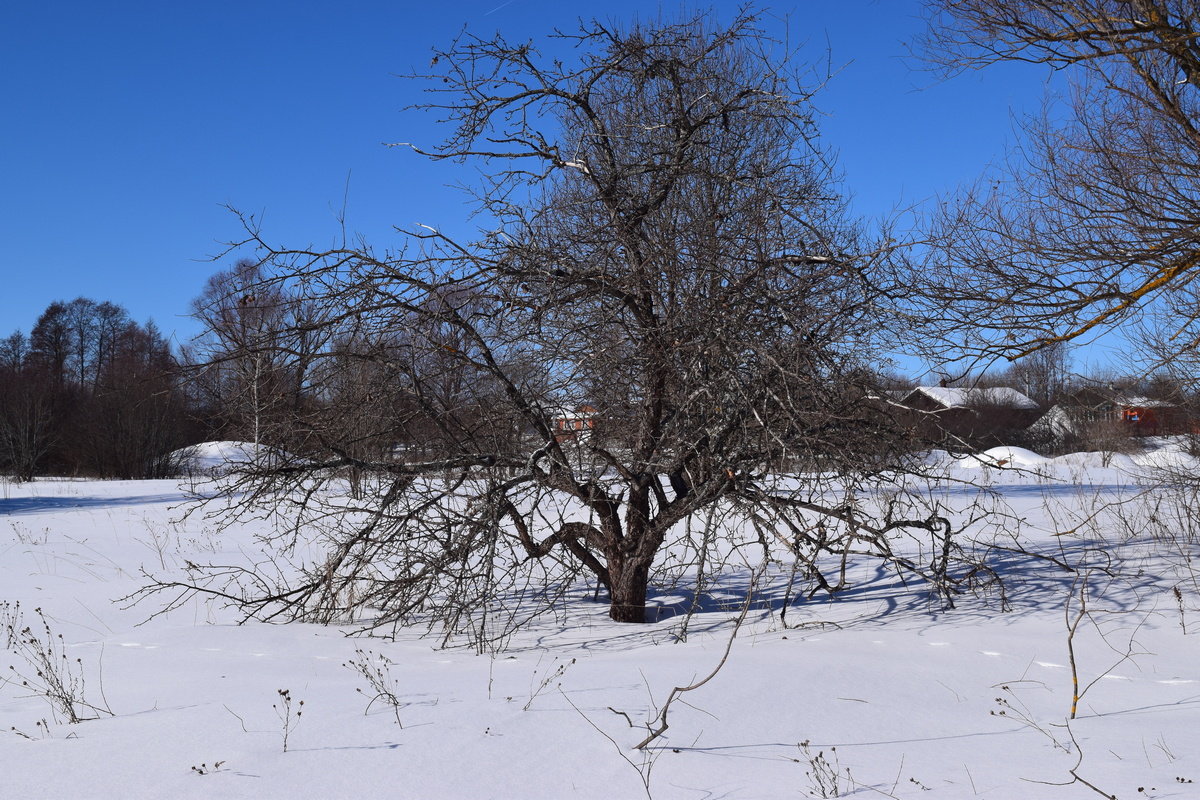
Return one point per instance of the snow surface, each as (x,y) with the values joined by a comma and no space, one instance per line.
(913,700)
(223,458)
(1004,456)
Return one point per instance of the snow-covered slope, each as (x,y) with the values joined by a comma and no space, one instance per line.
(221,458)
(876,693)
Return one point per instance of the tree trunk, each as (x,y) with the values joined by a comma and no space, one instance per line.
(628,592)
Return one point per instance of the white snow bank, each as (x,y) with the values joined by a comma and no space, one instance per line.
(1166,458)
(1016,457)
(222,458)
(1094,460)
(911,704)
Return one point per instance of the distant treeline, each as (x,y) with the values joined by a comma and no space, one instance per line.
(89,392)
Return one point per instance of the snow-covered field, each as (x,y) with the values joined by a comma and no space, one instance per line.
(877,693)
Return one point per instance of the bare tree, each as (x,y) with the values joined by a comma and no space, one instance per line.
(27,406)
(136,414)
(253,357)
(1042,376)
(49,342)
(668,249)
(1095,218)
(90,392)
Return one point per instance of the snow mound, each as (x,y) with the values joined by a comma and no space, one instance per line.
(223,458)
(1167,458)
(1162,453)
(1015,457)
(1094,460)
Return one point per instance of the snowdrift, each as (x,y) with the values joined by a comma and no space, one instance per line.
(224,458)
(1005,456)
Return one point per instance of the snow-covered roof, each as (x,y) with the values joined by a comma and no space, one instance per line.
(1139,401)
(964,398)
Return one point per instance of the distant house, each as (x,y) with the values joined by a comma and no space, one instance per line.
(577,424)
(979,416)
(1097,414)
(1146,416)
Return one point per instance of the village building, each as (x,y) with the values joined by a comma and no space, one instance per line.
(1099,415)
(575,424)
(967,415)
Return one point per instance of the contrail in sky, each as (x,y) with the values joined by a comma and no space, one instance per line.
(497,8)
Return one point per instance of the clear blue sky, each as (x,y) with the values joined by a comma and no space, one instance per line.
(127,126)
